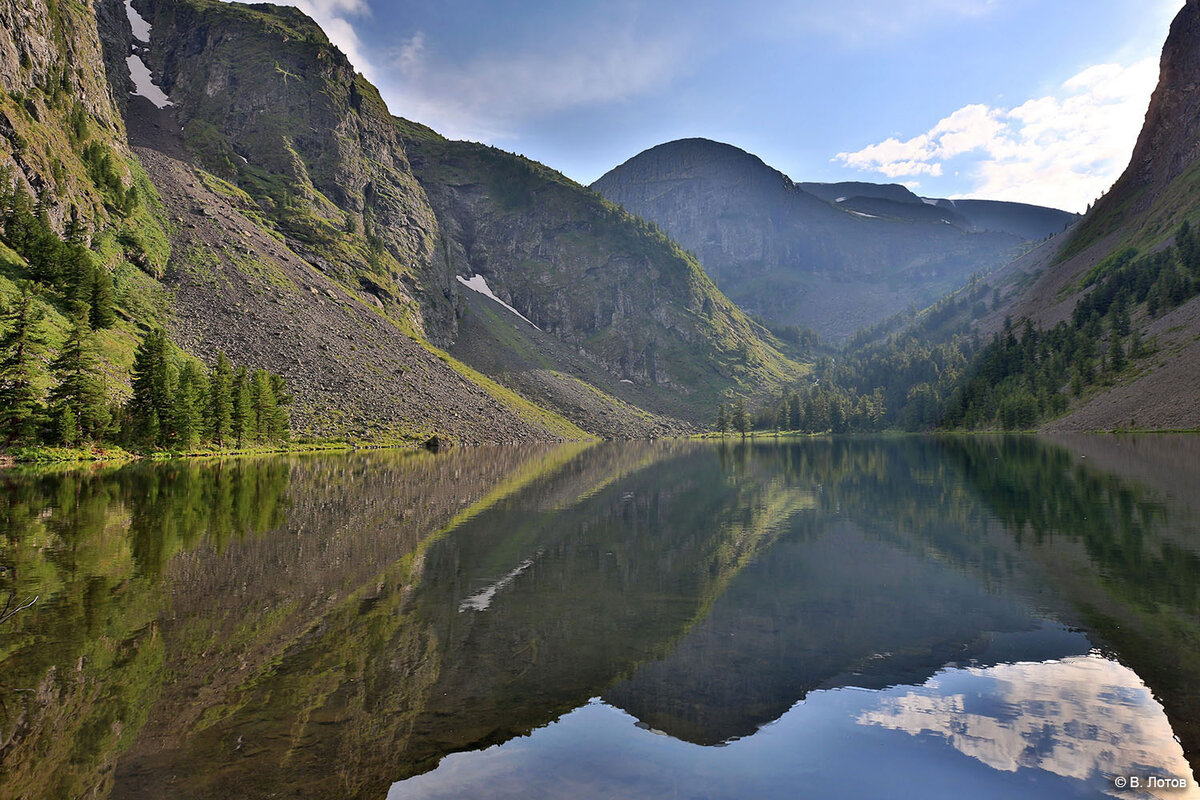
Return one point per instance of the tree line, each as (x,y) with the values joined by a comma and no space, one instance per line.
(176,404)
(936,372)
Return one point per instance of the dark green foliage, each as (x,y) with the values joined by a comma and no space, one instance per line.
(220,403)
(187,407)
(79,403)
(722,419)
(65,264)
(244,428)
(21,348)
(176,406)
(102,309)
(741,420)
(151,401)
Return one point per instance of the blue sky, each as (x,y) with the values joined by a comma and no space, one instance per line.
(1009,99)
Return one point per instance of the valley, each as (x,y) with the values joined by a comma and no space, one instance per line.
(254,196)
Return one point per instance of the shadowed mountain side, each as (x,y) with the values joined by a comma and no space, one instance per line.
(793,257)
(496,342)
(242,290)
(631,311)
(468,639)
(830,606)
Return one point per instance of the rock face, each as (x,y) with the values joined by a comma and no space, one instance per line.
(267,103)
(621,305)
(1157,192)
(834,262)
(1167,147)
(280,214)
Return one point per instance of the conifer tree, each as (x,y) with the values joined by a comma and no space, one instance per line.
(219,415)
(79,403)
(20,350)
(741,420)
(150,406)
(280,419)
(102,312)
(1116,355)
(187,420)
(262,400)
(244,429)
(722,419)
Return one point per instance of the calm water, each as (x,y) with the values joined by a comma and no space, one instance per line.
(890,618)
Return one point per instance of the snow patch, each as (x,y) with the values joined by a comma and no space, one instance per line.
(626,380)
(141,28)
(840,200)
(929,201)
(478,283)
(861,214)
(143,84)
(483,598)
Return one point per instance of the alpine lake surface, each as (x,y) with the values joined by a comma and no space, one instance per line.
(907,617)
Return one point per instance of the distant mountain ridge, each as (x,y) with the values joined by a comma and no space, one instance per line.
(834,257)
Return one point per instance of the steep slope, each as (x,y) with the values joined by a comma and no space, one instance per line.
(791,256)
(606,298)
(1128,244)
(280,221)
(622,320)
(305,260)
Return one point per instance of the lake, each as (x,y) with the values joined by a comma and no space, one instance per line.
(908,617)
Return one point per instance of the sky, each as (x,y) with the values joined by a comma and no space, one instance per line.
(1022,100)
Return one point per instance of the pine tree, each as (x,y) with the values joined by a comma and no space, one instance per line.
(741,421)
(187,421)
(219,416)
(794,412)
(150,405)
(262,404)
(1136,348)
(722,419)
(244,429)
(280,418)
(102,312)
(22,348)
(80,392)
(1116,355)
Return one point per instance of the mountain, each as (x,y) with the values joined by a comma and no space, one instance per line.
(402,284)
(833,257)
(1129,261)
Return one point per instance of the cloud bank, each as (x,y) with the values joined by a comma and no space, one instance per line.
(491,95)
(1062,150)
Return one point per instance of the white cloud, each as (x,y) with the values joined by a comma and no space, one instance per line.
(1061,150)
(488,96)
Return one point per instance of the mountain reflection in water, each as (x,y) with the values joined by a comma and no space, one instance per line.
(906,617)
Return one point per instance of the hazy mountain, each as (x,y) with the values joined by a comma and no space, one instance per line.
(834,257)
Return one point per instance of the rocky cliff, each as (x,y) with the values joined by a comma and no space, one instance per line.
(607,298)
(281,221)
(834,262)
(1135,224)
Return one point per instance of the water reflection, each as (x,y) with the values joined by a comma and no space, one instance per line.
(1086,718)
(361,625)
